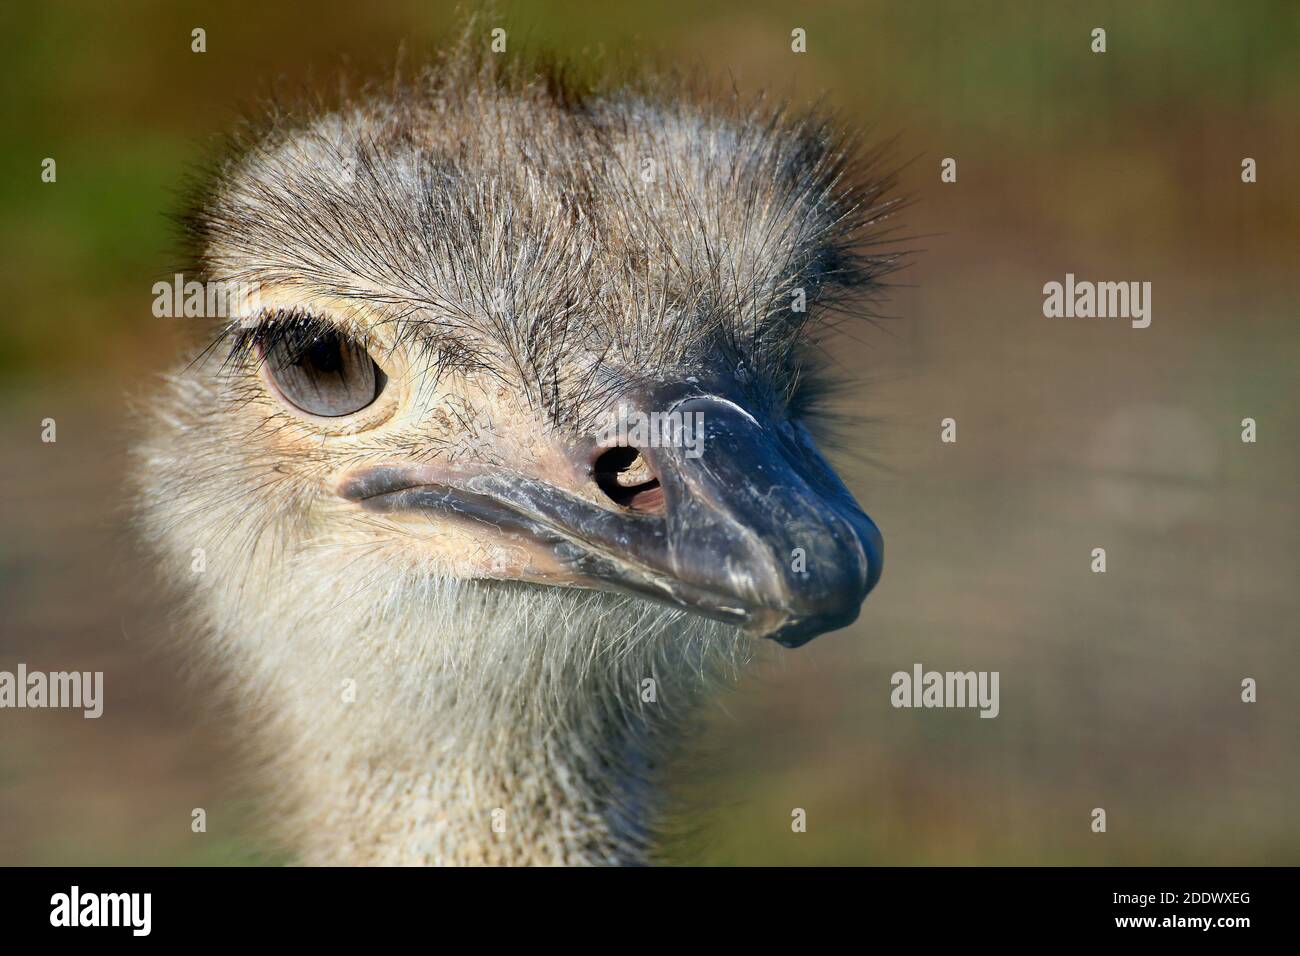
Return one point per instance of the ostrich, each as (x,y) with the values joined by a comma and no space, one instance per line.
(458,622)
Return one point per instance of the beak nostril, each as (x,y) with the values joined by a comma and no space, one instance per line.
(624,475)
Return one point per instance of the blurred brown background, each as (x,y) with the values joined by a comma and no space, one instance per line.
(1119,690)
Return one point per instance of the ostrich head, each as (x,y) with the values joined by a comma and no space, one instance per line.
(507,449)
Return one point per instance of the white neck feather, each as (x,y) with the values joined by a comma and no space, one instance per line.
(425,721)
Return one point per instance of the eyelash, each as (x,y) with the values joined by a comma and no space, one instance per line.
(295,330)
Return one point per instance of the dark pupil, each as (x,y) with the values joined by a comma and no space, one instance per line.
(324,356)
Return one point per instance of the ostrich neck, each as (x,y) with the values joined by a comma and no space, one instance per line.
(508,745)
(575,794)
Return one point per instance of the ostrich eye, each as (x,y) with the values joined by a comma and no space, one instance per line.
(329,376)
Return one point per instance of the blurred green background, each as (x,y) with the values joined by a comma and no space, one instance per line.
(1118,690)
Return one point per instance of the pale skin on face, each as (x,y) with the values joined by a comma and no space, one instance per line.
(464,424)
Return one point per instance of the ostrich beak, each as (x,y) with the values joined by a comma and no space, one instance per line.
(756,529)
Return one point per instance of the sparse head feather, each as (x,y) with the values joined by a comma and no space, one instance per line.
(568,241)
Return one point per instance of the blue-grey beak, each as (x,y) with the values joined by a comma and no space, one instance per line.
(753,527)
